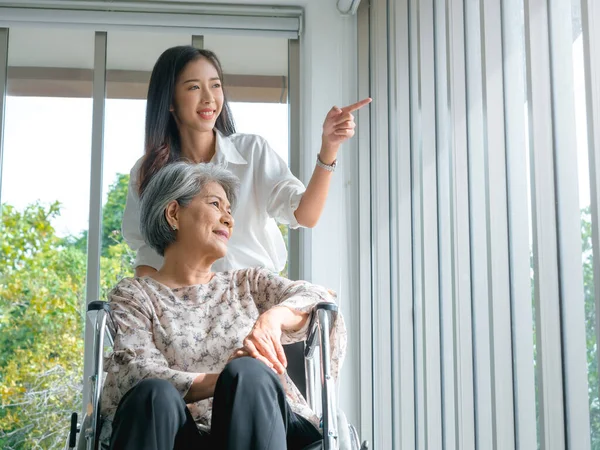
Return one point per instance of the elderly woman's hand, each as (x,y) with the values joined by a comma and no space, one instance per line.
(264,341)
(238,353)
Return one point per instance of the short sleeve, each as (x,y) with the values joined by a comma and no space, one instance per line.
(130,227)
(279,188)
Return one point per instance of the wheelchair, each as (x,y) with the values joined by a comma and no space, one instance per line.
(322,317)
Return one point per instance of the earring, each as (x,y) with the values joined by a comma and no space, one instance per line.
(174,227)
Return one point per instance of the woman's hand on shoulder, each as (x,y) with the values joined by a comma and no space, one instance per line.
(264,341)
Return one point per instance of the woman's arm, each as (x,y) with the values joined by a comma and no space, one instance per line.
(264,341)
(284,308)
(338,127)
(313,200)
(202,387)
(287,319)
(204,384)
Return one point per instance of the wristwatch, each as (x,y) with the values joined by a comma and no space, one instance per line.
(328,167)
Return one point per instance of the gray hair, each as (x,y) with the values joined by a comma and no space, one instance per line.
(180,181)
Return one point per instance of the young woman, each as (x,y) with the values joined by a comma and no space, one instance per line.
(188,118)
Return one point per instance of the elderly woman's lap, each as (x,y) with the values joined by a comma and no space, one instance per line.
(250,401)
(152,415)
(250,411)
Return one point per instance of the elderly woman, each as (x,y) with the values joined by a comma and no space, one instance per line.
(198,359)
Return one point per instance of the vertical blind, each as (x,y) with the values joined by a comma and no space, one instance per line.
(484,156)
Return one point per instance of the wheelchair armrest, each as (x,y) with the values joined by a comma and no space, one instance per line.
(98,305)
(322,320)
(99,315)
(312,341)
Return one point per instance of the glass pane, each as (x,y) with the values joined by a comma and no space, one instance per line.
(45,196)
(130,58)
(532,272)
(586,222)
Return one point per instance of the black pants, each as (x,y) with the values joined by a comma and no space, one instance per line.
(250,412)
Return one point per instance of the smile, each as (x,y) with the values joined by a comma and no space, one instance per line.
(224,235)
(207,114)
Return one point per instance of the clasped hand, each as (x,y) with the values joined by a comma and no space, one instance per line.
(264,342)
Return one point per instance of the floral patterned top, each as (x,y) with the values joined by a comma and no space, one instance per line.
(176,334)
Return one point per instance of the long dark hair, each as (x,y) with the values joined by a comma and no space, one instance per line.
(162,141)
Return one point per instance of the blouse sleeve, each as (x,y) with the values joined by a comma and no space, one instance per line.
(135,357)
(146,256)
(281,190)
(270,290)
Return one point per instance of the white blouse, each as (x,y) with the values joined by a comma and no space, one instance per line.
(268,192)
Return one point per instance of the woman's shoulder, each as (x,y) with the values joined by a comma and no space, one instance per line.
(247,139)
(250,145)
(246,275)
(132,288)
(234,275)
(258,277)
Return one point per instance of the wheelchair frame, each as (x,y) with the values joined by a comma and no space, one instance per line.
(322,318)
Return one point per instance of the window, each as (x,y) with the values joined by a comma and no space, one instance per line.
(581,119)
(45,196)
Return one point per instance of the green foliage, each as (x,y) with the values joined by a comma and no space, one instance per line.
(112,213)
(590,318)
(112,216)
(42,303)
(25,235)
(41,341)
(285,232)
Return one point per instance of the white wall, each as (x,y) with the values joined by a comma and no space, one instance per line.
(329,77)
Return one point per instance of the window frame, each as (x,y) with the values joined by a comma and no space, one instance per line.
(271,21)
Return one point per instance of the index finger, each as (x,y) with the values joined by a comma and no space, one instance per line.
(357,105)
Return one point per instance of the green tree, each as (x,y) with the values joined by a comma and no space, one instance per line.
(112,216)
(41,299)
(112,213)
(42,303)
(590,318)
